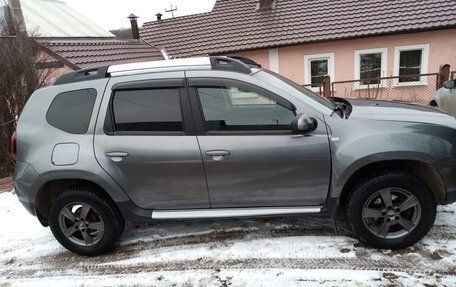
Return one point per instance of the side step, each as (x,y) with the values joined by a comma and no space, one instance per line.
(232,212)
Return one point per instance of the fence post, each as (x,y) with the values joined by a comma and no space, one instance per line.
(444,75)
(327,86)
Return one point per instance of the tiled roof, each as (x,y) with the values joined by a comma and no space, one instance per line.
(92,53)
(236,25)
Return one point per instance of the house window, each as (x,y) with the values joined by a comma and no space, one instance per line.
(370,66)
(409,63)
(316,67)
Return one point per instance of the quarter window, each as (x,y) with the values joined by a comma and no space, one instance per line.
(71,111)
(242,108)
(148,110)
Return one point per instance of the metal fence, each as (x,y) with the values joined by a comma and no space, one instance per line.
(317,88)
(413,88)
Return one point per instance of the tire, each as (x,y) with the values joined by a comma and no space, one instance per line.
(85,222)
(368,215)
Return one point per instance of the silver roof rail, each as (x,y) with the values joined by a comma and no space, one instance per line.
(219,63)
(134,68)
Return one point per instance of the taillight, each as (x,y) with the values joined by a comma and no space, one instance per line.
(13,147)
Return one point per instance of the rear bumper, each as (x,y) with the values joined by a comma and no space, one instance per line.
(446,167)
(26,185)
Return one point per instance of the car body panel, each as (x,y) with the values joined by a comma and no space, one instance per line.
(267,170)
(446,100)
(375,133)
(160,171)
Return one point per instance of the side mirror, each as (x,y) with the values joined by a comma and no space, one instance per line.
(449,85)
(303,123)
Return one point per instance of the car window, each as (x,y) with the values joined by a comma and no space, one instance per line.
(148,110)
(295,89)
(240,108)
(71,111)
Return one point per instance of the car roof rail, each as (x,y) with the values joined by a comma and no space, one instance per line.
(83,75)
(246,61)
(144,67)
(223,63)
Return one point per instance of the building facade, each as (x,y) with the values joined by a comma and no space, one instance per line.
(357,43)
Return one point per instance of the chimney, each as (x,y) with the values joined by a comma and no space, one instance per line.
(17,17)
(134,25)
(159,16)
(266,4)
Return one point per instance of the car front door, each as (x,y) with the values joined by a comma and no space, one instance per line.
(147,142)
(251,157)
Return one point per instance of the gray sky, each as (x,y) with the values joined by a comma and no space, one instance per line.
(111,14)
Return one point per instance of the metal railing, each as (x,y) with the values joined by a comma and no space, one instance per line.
(411,88)
(317,88)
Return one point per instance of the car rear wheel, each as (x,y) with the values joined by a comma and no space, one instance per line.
(85,222)
(391,211)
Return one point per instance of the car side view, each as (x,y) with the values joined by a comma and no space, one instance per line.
(219,137)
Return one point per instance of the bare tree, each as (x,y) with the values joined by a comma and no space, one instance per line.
(20,76)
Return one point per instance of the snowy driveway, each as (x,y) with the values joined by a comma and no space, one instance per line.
(244,252)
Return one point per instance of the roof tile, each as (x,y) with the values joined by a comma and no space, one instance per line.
(91,53)
(235,25)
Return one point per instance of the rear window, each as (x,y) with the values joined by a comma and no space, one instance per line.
(71,111)
(150,110)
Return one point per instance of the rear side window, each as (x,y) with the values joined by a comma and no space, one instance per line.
(71,111)
(148,110)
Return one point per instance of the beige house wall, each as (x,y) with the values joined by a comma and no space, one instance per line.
(442,50)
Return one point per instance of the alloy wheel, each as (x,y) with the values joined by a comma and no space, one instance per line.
(81,223)
(391,213)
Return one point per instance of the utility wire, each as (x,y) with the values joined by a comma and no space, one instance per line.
(7,123)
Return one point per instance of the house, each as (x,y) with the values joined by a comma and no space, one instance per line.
(355,42)
(70,41)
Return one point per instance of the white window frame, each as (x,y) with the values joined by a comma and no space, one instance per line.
(274,60)
(330,57)
(424,64)
(384,66)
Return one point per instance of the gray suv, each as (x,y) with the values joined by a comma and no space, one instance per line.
(221,137)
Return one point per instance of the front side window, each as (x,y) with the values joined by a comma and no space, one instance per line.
(410,62)
(241,108)
(370,66)
(148,110)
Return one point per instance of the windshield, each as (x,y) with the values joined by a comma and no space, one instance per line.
(294,89)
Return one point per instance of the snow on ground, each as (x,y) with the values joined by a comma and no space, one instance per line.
(287,251)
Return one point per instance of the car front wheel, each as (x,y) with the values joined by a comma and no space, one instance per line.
(390,211)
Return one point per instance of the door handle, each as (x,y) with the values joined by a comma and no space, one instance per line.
(117,156)
(218,155)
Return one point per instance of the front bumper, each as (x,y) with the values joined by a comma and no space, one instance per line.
(446,167)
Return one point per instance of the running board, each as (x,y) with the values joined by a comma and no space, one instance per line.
(232,212)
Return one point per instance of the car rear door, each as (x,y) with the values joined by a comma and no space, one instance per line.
(145,139)
(251,157)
